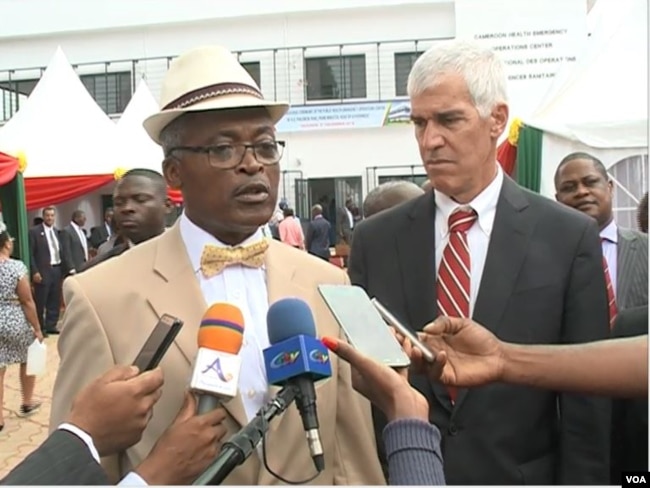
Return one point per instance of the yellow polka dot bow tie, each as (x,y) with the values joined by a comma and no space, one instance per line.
(214,259)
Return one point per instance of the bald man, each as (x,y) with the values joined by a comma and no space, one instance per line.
(388,195)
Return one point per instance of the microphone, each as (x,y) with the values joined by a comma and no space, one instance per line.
(296,359)
(216,369)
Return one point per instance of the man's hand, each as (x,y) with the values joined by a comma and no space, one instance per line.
(186,448)
(474,356)
(115,408)
(37,278)
(386,388)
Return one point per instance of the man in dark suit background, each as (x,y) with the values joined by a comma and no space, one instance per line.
(629,417)
(582,182)
(317,240)
(49,263)
(141,207)
(389,194)
(101,233)
(75,241)
(479,246)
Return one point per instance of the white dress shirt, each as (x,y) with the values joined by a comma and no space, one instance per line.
(609,236)
(82,238)
(131,479)
(53,244)
(478,236)
(246,288)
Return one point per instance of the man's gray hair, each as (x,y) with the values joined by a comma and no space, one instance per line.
(480,67)
(172,134)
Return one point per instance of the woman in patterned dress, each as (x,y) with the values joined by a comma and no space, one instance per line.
(18,323)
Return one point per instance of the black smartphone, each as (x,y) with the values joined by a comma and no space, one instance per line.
(158,342)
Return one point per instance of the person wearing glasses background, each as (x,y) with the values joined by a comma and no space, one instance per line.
(219,143)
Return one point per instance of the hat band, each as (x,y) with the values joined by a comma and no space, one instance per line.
(212,91)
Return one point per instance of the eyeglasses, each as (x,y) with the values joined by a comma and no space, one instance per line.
(228,156)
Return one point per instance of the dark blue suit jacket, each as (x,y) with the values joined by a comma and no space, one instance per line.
(317,240)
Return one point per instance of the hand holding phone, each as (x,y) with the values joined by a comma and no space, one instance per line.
(158,342)
(402,329)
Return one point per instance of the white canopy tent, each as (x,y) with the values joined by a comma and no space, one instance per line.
(137,148)
(599,104)
(60,128)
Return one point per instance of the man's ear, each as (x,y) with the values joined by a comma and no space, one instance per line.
(171,173)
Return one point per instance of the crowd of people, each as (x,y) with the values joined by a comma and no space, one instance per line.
(492,276)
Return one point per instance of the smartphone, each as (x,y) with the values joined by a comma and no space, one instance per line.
(362,324)
(402,329)
(158,342)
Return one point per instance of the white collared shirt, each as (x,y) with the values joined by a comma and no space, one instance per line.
(478,236)
(82,238)
(609,236)
(246,288)
(53,244)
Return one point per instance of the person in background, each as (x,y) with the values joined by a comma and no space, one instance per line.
(48,261)
(582,182)
(642,214)
(317,241)
(290,230)
(426,186)
(37,221)
(141,206)
(389,194)
(19,324)
(629,450)
(345,223)
(97,426)
(114,240)
(101,233)
(75,242)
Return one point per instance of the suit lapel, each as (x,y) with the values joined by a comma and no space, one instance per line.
(625,269)
(511,232)
(417,258)
(416,255)
(178,293)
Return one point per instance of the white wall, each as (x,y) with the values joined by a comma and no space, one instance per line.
(432,20)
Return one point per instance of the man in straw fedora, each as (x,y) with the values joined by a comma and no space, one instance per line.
(217,133)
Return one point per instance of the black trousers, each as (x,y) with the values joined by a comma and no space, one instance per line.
(47,295)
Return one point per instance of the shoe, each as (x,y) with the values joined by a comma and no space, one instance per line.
(2,426)
(26,410)
(53,332)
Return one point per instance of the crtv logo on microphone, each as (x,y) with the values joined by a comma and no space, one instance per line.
(319,356)
(285,359)
(217,368)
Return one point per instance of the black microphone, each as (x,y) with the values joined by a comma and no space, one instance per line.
(241,445)
(296,359)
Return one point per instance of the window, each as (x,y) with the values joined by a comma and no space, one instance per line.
(336,77)
(253,69)
(403,64)
(111,91)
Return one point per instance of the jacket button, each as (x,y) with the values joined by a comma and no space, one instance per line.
(452,430)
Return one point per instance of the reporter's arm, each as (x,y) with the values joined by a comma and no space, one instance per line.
(615,367)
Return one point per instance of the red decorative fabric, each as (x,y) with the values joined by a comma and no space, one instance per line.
(175,196)
(8,168)
(507,156)
(41,192)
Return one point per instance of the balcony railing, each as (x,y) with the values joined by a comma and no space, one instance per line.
(325,74)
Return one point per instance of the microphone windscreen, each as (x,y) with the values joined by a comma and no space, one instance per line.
(222,328)
(288,318)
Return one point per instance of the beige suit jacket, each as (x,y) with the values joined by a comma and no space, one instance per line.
(111,310)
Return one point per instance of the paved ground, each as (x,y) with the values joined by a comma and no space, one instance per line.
(22,435)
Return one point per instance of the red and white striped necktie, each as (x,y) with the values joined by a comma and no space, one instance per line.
(453,284)
(611,298)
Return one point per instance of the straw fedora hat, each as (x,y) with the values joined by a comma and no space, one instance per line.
(204,79)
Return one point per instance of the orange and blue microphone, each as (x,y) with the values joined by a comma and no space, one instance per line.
(296,359)
(216,370)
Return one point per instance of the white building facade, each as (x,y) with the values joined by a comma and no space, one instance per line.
(342,65)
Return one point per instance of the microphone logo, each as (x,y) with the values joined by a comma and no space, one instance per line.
(318,356)
(284,359)
(218,369)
